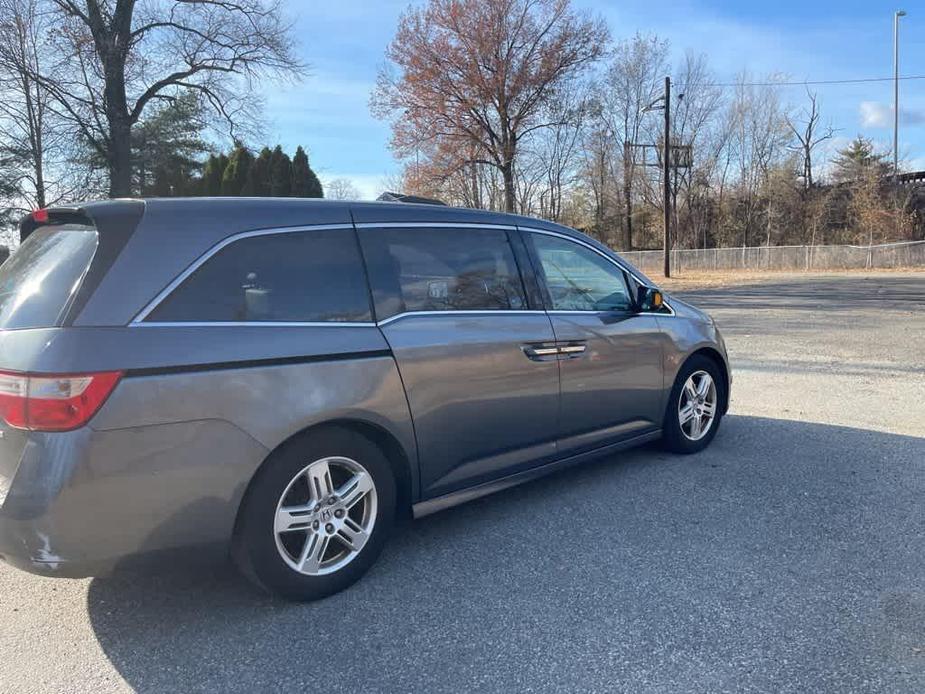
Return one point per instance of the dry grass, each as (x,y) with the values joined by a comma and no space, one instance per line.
(726,278)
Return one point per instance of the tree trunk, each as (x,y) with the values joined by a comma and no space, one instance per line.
(111,39)
(809,168)
(510,196)
(40,200)
(36,124)
(474,181)
(120,158)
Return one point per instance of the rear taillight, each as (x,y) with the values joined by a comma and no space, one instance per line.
(53,403)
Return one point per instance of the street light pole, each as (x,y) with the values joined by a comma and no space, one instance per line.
(896,16)
(666,181)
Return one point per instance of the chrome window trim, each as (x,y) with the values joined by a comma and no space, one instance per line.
(202,259)
(461,312)
(670,314)
(255,324)
(435,225)
(613,261)
(578,312)
(138,320)
(332,324)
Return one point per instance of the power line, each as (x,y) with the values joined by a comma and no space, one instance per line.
(809,82)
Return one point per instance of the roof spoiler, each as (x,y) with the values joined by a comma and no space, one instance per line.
(52,215)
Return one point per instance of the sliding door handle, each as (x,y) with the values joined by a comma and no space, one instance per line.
(572,350)
(541,352)
(544,351)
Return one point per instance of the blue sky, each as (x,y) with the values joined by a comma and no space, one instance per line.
(344,41)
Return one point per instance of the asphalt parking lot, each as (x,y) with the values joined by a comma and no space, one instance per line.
(788,557)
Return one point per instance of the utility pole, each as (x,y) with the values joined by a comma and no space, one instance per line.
(628,193)
(896,16)
(666,182)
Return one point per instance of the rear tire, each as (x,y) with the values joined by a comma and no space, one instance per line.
(695,406)
(316,515)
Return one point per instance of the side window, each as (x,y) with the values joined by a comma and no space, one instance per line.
(301,276)
(442,269)
(578,279)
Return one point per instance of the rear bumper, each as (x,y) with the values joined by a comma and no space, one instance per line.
(82,502)
(22,547)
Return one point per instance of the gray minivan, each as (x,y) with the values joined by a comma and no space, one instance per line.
(286,377)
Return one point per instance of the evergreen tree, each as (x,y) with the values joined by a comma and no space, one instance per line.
(212,175)
(235,177)
(280,174)
(858,161)
(305,183)
(161,185)
(258,178)
(167,147)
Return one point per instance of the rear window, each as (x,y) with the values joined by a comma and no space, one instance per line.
(310,276)
(39,281)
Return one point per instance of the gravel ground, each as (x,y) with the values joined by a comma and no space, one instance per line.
(788,557)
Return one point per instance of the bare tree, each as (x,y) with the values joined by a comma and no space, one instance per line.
(805,127)
(341,189)
(475,73)
(632,84)
(551,157)
(118,56)
(694,125)
(759,136)
(23,108)
(597,172)
(35,144)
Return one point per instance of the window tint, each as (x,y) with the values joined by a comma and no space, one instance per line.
(578,279)
(39,281)
(290,277)
(442,270)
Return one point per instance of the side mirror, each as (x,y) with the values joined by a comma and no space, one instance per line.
(649,299)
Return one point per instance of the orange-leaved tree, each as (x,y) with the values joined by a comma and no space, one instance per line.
(469,79)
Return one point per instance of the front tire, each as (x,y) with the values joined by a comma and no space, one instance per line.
(316,516)
(695,406)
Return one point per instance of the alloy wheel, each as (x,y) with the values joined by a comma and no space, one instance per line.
(325,516)
(697,405)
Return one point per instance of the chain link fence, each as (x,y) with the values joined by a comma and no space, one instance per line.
(792,258)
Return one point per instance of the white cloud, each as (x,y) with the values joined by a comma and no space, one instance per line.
(878,115)
(875,115)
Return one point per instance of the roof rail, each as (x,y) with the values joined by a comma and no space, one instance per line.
(401,197)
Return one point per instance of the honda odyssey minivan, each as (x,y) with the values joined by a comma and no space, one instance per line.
(286,377)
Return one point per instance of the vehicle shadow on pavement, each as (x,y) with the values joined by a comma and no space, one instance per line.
(788,552)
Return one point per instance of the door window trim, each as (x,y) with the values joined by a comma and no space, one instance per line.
(526,275)
(463,312)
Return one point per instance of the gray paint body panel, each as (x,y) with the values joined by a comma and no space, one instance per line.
(77,350)
(615,387)
(480,405)
(202,406)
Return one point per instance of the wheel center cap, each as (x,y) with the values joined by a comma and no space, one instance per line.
(327,514)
